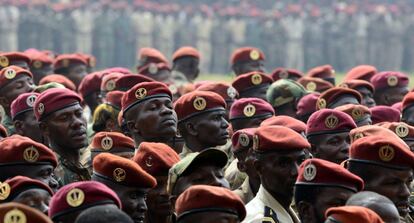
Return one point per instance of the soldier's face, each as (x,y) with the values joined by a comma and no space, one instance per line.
(158,201)
(367,97)
(66,128)
(43,173)
(408,116)
(331,147)
(250,66)
(256,92)
(21,84)
(76,73)
(329,197)
(35,198)
(93,100)
(28,126)
(390,96)
(344,100)
(188,66)
(210,128)
(133,202)
(248,122)
(39,73)
(20,63)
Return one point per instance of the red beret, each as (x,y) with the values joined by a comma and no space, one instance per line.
(251,80)
(38,58)
(90,83)
(108,81)
(357,112)
(226,91)
(285,73)
(150,55)
(20,150)
(198,102)
(156,158)
(361,72)
(250,108)
(121,70)
(315,84)
(287,121)
(22,104)
(355,84)
(389,79)
(242,139)
(65,60)
(53,100)
(127,81)
(318,172)
(327,98)
(90,59)
(8,74)
(325,71)
(121,170)
(204,198)
(307,104)
(278,138)
(106,141)
(382,113)
(114,98)
(372,130)
(79,196)
(19,184)
(12,210)
(58,78)
(7,59)
(352,214)
(245,54)
(329,121)
(397,106)
(3,131)
(142,92)
(401,129)
(408,100)
(153,68)
(186,51)
(381,150)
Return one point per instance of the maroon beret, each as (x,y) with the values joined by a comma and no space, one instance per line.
(58,78)
(324,71)
(196,103)
(23,103)
(153,68)
(106,141)
(357,112)
(387,79)
(53,100)
(382,113)
(251,80)
(307,104)
(142,92)
(351,214)
(8,58)
(242,139)
(150,55)
(225,90)
(127,81)
(355,84)
(79,196)
(114,98)
(65,60)
(328,121)
(185,51)
(408,100)
(287,121)
(11,211)
(8,74)
(285,73)
(278,138)
(315,84)
(19,184)
(327,98)
(321,173)
(250,108)
(108,81)
(245,54)
(121,70)
(90,83)
(361,72)
(397,106)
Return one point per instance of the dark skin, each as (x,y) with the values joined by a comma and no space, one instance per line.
(158,202)
(36,198)
(39,73)
(188,66)
(367,97)
(69,218)
(132,198)
(278,171)
(41,172)
(206,130)
(252,122)
(257,92)
(288,109)
(93,100)
(331,147)
(344,100)
(163,75)
(153,120)
(365,121)
(327,197)
(19,85)
(66,132)
(76,72)
(210,217)
(410,144)
(408,116)
(245,163)
(20,63)
(27,125)
(390,96)
(248,66)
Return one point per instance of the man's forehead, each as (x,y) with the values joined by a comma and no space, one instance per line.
(71,108)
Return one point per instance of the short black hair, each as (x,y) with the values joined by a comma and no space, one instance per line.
(307,193)
(103,214)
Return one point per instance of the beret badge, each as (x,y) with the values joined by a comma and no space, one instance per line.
(401,130)
(4,191)
(119,174)
(309,173)
(199,103)
(31,154)
(15,216)
(75,197)
(386,153)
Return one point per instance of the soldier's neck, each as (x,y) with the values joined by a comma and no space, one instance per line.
(254,184)
(194,145)
(71,155)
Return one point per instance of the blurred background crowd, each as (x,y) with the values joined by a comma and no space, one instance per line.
(293,34)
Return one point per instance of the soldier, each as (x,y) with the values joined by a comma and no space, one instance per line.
(252,85)
(314,84)
(377,203)
(209,204)
(103,214)
(149,55)
(70,200)
(407,109)
(13,82)
(201,121)
(306,106)
(249,113)
(157,159)
(128,81)
(379,159)
(322,185)
(41,64)
(286,73)
(24,120)
(89,89)
(72,66)
(361,72)
(158,71)
(14,58)
(186,61)
(338,96)
(30,192)
(112,142)
(148,113)
(225,90)
(28,158)
(108,82)
(129,181)
(61,122)
(277,160)
(365,88)
(13,210)
(283,95)
(383,113)
(325,72)
(105,116)
(328,134)
(60,79)
(390,87)
(359,113)
(349,214)
(247,59)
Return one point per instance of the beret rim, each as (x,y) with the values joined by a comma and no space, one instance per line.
(370,162)
(81,207)
(254,116)
(328,132)
(200,113)
(45,115)
(200,210)
(145,99)
(310,184)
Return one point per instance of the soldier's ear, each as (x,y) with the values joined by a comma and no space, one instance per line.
(18,126)
(191,128)
(306,211)
(258,166)
(133,128)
